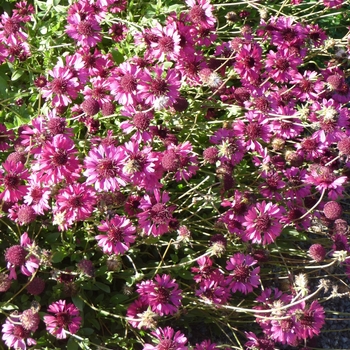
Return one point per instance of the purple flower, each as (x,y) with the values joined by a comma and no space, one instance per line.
(15,335)
(162,294)
(263,223)
(16,173)
(63,88)
(155,216)
(18,256)
(201,13)
(74,203)
(243,276)
(104,168)
(153,85)
(167,338)
(120,233)
(86,32)
(65,318)
(57,161)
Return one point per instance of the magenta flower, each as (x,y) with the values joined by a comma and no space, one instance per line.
(263,223)
(324,179)
(16,173)
(57,161)
(65,318)
(18,256)
(181,160)
(243,276)
(86,32)
(135,310)
(155,216)
(104,168)
(311,320)
(162,294)
(154,86)
(15,335)
(201,13)
(206,345)
(37,196)
(120,233)
(74,203)
(262,343)
(167,45)
(63,88)
(167,339)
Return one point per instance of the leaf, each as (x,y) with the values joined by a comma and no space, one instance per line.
(52,237)
(72,344)
(16,74)
(58,257)
(78,302)
(103,287)
(117,56)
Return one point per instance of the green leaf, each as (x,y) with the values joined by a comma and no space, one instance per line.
(52,237)
(117,56)
(104,287)
(16,74)
(58,257)
(78,302)
(72,344)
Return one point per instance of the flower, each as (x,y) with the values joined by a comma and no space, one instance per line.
(162,294)
(86,31)
(311,320)
(63,87)
(120,233)
(14,190)
(155,216)
(76,202)
(263,223)
(57,161)
(15,335)
(167,339)
(258,343)
(243,277)
(65,318)
(104,166)
(19,256)
(201,13)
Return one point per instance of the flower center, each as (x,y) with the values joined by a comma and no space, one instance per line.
(263,222)
(141,121)
(59,86)
(85,28)
(62,319)
(197,14)
(76,202)
(159,87)
(159,214)
(253,131)
(282,64)
(60,158)
(11,26)
(166,44)
(286,325)
(128,83)
(115,234)
(162,295)
(11,181)
(20,332)
(241,273)
(106,168)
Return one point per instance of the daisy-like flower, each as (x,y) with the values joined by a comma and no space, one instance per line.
(57,161)
(15,335)
(311,320)
(99,91)
(181,160)
(14,189)
(85,31)
(155,216)
(118,32)
(201,13)
(258,343)
(62,88)
(167,45)
(162,294)
(263,223)
(119,234)
(167,339)
(65,317)
(76,202)
(244,277)
(142,166)
(37,195)
(123,83)
(24,11)
(206,345)
(11,29)
(324,178)
(104,168)
(19,256)
(154,85)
